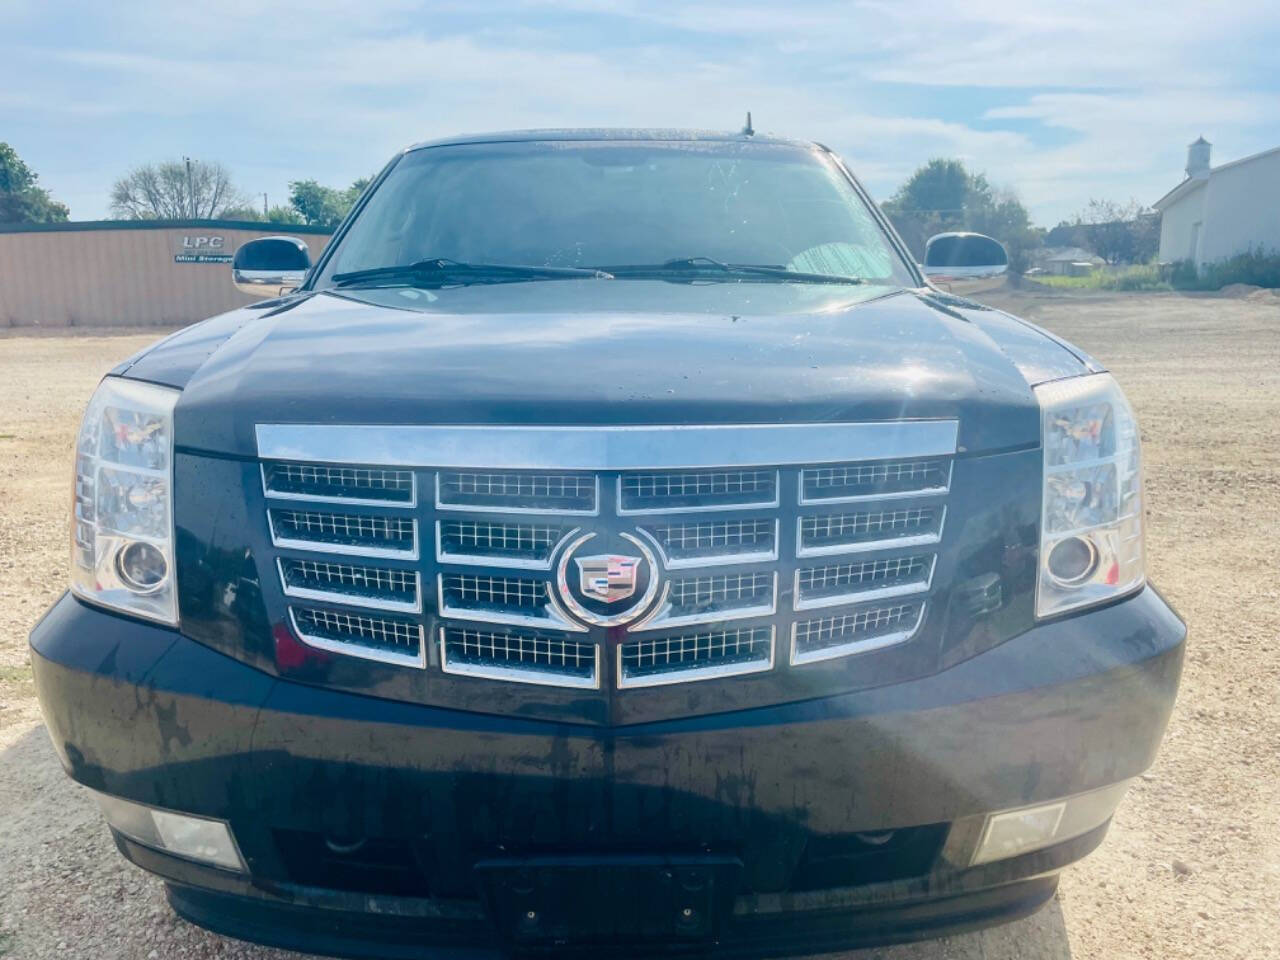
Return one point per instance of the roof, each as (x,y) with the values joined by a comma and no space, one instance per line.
(68,226)
(609,133)
(1190,183)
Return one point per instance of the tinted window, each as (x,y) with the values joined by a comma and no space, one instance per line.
(575,204)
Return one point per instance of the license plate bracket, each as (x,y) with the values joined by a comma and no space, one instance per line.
(563,901)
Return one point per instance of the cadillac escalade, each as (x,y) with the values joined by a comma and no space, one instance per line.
(613,541)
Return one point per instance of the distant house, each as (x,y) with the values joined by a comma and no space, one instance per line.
(1067,261)
(1217,212)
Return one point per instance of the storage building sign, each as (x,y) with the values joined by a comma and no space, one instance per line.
(203,249)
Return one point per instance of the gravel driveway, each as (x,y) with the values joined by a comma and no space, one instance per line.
(1191,867)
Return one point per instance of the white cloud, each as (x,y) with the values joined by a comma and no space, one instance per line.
(1068,101)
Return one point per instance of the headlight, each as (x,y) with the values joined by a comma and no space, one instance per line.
(122,512)
(1091,531)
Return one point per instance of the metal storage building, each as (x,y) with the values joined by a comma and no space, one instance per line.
(126,272)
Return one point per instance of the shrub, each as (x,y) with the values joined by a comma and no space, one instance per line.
(1257,267)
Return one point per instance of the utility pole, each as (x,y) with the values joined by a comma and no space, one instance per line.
(191,190)
(265,212)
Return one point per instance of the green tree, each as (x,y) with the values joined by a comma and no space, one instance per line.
(21,200)
(324,206)
(1120,232)
(174,190)
(943,196)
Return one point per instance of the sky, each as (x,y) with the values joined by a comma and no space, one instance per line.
(1059,102)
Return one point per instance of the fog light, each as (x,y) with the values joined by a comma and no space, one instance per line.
(141,567)
(1012,832)
(1072,561)
(195,838)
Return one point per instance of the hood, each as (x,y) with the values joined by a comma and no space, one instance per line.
(334,360)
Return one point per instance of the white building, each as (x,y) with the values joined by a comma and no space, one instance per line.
(1217,212)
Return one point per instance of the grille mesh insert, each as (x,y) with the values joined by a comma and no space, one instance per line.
(874,479)
(339,482)
(473,590)
(393,533)
(569,492)
(487,649)
(867,628)
(719,650)
(844,578)
(356,580)
(483,538)
(727,590)
(714,538)
(868,526)
(385,634)
(698,490)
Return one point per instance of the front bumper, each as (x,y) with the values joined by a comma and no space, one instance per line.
(143,713)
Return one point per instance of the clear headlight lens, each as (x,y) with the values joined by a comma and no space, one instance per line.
(122,511)
(1091,531)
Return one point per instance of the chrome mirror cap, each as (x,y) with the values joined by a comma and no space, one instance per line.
(964,256)
(270,266)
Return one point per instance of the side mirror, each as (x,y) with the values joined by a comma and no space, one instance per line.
(270,266)
(956,256)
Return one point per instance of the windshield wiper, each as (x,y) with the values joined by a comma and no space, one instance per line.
(703,268)
(443,270)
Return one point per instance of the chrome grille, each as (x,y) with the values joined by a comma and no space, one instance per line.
(355,584)
(695,656)
(508,543)
(863,630)
(740,555)
(885,479)
(390,639)
(523,658)
(671,492)
(344,532)
(336,484)
(517,492)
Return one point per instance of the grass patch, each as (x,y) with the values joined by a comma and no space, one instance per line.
(1146,276)
(1256,268)
(17,682)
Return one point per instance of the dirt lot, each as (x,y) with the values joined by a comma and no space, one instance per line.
(1192,865)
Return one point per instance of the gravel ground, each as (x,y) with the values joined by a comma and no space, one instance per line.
(1191,867)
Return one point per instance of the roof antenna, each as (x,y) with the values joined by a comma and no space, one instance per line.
(748,130)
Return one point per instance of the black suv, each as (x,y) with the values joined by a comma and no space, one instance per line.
(613,541)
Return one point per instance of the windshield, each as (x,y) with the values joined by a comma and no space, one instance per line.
(621,203)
